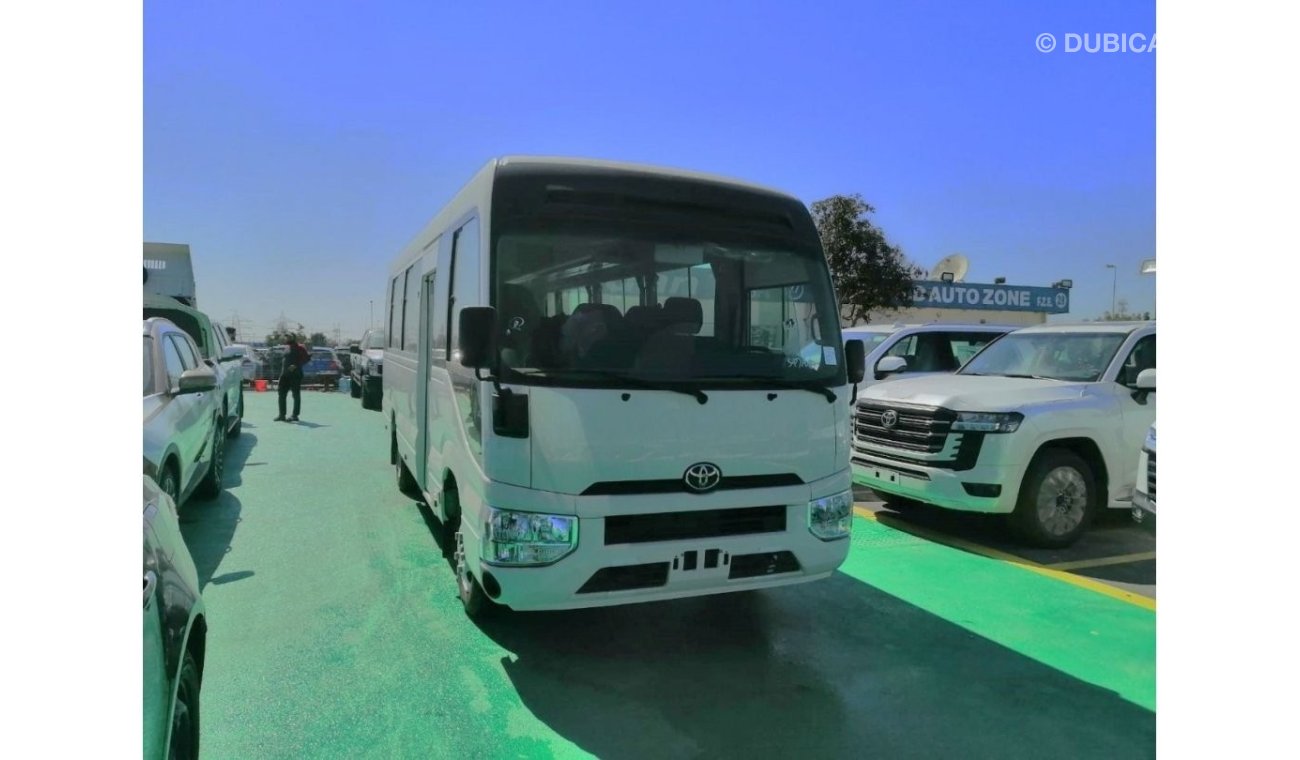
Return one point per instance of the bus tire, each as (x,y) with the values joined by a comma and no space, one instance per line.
(472,596)
(405,481)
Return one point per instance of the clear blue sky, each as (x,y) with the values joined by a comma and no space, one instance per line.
(297,146)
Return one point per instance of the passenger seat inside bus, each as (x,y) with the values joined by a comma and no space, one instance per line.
(671,349)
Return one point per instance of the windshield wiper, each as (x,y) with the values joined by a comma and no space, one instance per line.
(812,386)
(1022,377)
(634,382)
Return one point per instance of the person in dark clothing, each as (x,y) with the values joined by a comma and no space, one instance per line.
(291,377)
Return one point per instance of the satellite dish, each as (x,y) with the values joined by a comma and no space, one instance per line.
(955,264)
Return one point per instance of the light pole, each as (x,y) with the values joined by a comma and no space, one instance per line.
(1113,279)
(371,326)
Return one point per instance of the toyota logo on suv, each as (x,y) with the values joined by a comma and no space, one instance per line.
(889,418)
(702,476)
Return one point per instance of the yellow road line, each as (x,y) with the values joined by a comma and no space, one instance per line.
(984,551)
(1118,559)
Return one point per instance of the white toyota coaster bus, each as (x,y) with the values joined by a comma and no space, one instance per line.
(596,376)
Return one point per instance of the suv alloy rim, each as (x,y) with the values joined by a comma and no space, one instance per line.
(1062,500)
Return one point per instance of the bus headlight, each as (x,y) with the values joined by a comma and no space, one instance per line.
(527,538)
(831,517)
(988,422)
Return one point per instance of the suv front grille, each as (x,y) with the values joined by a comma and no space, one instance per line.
(918,428)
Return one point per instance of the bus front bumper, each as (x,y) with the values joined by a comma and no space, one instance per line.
(597,574)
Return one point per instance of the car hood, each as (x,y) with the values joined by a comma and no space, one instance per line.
(974,393)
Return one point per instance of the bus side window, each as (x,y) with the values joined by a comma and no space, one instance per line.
(393,337)
(462,279)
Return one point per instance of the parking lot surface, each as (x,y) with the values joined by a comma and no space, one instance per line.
(335,631)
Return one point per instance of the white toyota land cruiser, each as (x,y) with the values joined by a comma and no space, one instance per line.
(1043,424)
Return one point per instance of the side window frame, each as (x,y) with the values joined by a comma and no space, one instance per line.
(909,341)
(169,349)
(1121,376)
(391,336)
(189,356)
(410,320)
(451,293)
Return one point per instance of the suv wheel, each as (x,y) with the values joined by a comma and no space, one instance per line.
(185,712)
(170,484)
(210,488)
(1057,500)
(238,427)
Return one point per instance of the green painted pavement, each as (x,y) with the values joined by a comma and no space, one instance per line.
(335,632)
(1092,637)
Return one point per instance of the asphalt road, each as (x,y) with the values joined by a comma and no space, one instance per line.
(335,631)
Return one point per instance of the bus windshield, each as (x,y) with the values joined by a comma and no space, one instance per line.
(578,302)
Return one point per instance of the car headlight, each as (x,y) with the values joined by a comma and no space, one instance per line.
(1150,442)
(831,517)
(987,422)
(527,538)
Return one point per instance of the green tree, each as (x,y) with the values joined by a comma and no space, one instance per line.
(869,273)
(318,339)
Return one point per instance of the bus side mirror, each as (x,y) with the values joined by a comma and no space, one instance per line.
(855,358)
(478,325)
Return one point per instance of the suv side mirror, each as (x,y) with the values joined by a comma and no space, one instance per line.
(478,325)
(855,360)
(890,365)
(231,353)
(197,380)
(1146,380)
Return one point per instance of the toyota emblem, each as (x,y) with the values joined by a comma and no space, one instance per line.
(702,476)
(888,418)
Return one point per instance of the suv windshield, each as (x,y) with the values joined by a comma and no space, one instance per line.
(1074,356)
(577,303)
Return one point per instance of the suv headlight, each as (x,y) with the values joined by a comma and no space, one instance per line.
(987,422)
(1150,443)
(372,367)
(528,538)
(831,517)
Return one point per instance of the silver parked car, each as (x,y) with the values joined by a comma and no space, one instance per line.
(368,369)
(184,440)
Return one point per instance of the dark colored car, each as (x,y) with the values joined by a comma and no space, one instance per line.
(323,369)
(175,633)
